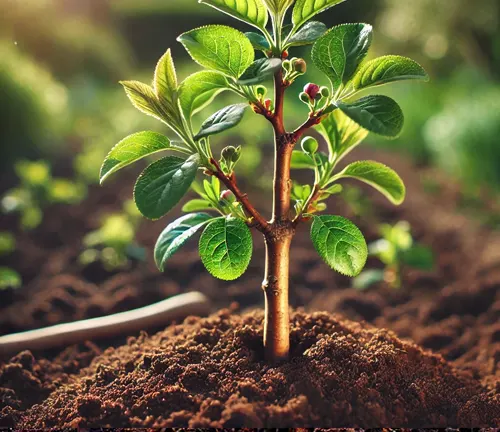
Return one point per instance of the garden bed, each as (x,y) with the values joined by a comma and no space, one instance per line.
(212,373)
(453,310)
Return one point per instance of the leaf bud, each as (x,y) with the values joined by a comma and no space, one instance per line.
(309,145)
(287,65)
(300,66)
(261,91)
(231,154)
(325,92)
(304,97)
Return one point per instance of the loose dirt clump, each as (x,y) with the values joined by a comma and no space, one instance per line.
(211,373)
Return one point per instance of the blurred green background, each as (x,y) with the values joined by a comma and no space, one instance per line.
(60,62)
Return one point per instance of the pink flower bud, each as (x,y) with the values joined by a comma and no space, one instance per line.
(312,90)
(226,195)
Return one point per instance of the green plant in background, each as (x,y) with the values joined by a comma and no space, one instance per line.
(36,190)
(396,250)
(9,278)
(229,59)
(113,243)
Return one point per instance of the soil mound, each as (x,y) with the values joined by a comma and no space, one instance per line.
(211,373)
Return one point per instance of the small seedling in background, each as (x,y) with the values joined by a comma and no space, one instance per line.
(9,278)
(229,59)
(396,250)
(36,190)
(113,243)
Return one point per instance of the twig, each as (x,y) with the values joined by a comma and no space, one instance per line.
(261,224)
(174,308)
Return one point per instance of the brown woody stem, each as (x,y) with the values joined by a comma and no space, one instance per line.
(279,232)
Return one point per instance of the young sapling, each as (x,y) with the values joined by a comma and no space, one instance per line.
(396,250)
(244,63)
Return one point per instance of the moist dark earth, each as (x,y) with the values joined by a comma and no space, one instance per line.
(341,373)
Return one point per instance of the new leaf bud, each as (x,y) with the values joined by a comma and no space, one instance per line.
(300,66)
(287,65)
(231,154)
(261,91)
(309,145)
(325,92)
(304,97)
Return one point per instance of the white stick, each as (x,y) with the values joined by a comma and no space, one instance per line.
(174,308)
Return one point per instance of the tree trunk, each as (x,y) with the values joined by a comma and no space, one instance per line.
(275,286)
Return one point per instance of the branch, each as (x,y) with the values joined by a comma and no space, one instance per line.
(313,120)
(230,183)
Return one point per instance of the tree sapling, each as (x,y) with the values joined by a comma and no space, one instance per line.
(228,57)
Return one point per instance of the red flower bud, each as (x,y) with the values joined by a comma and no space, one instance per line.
(312,90)
(267,103)
(226,195)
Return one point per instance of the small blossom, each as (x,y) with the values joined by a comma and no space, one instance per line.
(311,90)
(227,195)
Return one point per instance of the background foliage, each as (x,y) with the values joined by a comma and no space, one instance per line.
(61,59)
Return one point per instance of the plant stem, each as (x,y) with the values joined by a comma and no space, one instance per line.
(279,232)
(278,240)
(275,286)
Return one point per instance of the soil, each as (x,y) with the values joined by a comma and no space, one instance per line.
(211,373)
(453,311)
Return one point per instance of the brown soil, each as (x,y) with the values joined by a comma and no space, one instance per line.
(211,373)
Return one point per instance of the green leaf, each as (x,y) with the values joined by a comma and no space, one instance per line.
(368,278)
(378,175)
(131,149)
(340,243)
(161,185)
(301,161)
(378,114)
(308,34)
(340,51)
(341,133)
(199,89)
(304,10)
(143,97)
(219,47)
(197,205)
(419,257)
(9,279)
(278,7)
(388,69)
(259,71)
(250,11)
(258,41)
(226,248)
(165,81)
(222,120)
(176,234)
